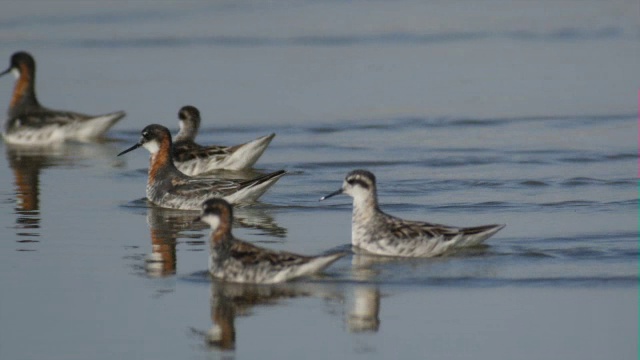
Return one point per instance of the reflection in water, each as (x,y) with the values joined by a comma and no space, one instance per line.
(166,226)
(162,260)
(26,173)
(364,313)
(366,269)
(169,225)
(229,300)
(256,218)
(26,164)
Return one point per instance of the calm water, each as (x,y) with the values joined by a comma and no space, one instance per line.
(523,113)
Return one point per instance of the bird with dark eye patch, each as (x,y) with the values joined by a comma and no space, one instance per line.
(194,159)
(29,123)
(168,187)
(379,233)
(234,260)
(359,182)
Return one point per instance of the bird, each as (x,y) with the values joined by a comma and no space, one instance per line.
(29,123)
(378,233)
(168,187)
(194,159)
(234,260)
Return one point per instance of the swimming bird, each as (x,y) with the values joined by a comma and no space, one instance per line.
(193,159)
(379,233)
(168,187)
(30,123)
(234,260)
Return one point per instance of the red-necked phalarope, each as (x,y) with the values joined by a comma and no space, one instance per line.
(376,232)
(168,187)
(193,159)
(234,260)
(30,123)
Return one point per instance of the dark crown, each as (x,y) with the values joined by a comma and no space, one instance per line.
(189,112)
(217,206)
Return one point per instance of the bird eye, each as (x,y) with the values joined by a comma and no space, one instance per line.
(351,181)
(145,134)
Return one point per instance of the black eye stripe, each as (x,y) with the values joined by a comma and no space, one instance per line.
(359,182)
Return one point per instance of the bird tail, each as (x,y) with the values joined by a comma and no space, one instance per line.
(251,190)
(246,155)
(477,234)
(319,263)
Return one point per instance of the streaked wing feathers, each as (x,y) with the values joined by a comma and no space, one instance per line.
(187,150)
(250,254)
(190,186)
(43,119)
(413,229)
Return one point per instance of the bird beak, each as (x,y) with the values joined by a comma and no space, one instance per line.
(197,220)
(5,72)
(338,192)
(131,149)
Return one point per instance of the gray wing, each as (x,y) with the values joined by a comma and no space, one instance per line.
(251,255)
(404,229)
(199,187)
(188,186)
(412,229)
(187,150)
(43,119)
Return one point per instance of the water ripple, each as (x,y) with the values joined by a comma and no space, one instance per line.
(533,183)
(350,164)
(408,187)
(589,237)
(598,157)
(546,281)
(321,40)
(595,206)
(586,181)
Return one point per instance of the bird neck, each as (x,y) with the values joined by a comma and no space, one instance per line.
(161,161)
(221,237)
(24,93)
(365,207)
(187,132)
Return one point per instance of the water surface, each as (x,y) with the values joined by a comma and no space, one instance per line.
(500,113)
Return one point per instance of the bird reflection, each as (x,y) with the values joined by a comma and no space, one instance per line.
(26,163)
(258,219)
(168,227)
(229,300)
(364,312)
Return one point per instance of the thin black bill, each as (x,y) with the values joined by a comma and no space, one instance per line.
(338,192)
(5,72)
(130,149)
